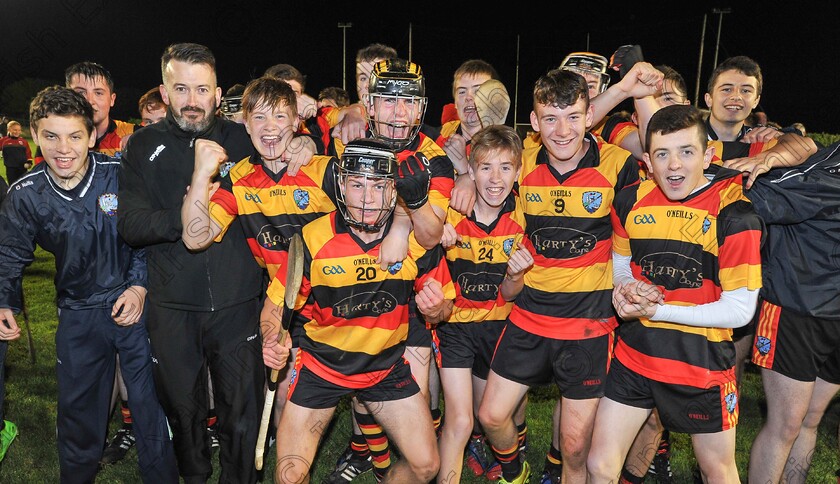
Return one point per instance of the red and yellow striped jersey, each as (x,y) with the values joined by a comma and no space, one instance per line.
(359,312)
(479,261)
(693,250)
(273,207)
(567,294)
(728,150)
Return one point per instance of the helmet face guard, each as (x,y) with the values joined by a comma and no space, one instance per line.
(230,106)
(587,63)
(366,178)
(398,100)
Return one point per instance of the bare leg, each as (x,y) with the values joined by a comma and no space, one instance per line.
(716,456)
(787,405)
(458,397)
(297,443)
(799,460)
(616,425)
(408,423)
(577,420)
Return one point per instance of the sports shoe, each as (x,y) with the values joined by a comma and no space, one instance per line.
(122,442)
(481,460)
(660,467)
(348,467)
(213,433)
(7,435)
(550,476)
(522,478)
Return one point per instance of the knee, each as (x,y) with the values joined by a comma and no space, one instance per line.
(490,417)
(460,425)
(574,449)
(601,469)
(812,421)
(427,467)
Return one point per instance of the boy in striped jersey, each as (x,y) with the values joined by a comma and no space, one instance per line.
(355,341)
(687,269)
(486,250)
(561,326)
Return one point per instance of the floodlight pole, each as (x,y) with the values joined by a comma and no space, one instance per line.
(344,27)
(720,12)
(700,62)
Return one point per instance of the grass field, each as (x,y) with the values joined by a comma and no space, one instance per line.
(31,404)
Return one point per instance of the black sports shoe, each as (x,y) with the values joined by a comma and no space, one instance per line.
(348,467)
(122,442)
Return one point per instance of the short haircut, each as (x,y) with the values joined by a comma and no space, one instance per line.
(269,91)
(561,88)
(89,70)
(337,94)
(235,90)
(473,67)
(287,72)
(11,123)
(677,80)
(496,137)
(742,64)
(150,101)
(375,52)
(677,117)
(60,101)
(189,53)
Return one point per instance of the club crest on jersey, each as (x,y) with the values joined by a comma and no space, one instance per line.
(731,401)
(394,268)
(301,198)
(225,167)
(507,246)
(762,344)
(592,201)
(108,203)
(706,224)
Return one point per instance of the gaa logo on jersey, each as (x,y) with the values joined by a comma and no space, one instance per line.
(731,400)
(301,198)
(108,203)
(507,246)
(762,344)
(225,167)
(394,268)
(592,201)
(706,224)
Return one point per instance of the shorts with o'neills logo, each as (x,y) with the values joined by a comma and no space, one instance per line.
(795,345)
(682,408)
(578,367)
(467,345)
(309,390)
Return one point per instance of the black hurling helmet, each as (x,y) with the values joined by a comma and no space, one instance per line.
(395,81)
(587,63)
(367,161)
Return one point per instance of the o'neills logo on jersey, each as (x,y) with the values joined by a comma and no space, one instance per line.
(365,304)
(108,204)
(157,152)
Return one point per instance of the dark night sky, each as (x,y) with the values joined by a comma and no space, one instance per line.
(794,43)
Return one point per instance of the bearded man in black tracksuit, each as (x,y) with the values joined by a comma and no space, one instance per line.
(203,307)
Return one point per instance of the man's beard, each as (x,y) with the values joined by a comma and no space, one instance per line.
(192,126)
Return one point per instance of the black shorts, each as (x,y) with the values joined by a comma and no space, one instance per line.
(467,345)
(578,367)
(682,408)
(311,391)
(797,346)
(419,334)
